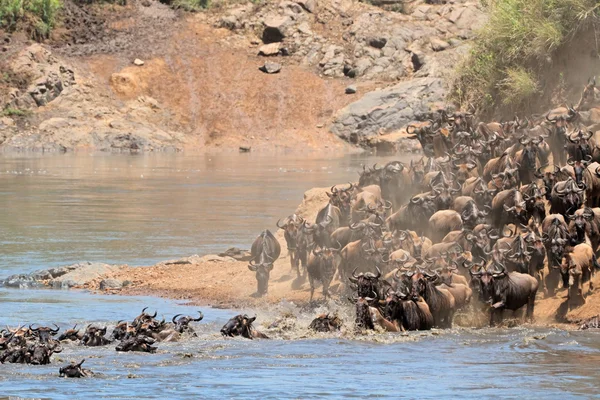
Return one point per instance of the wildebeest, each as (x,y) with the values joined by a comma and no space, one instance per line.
(326,323)
(241,325)
(265,250)
(182,324)
(94,336)
(74,371)
(506,290)
(322,266)
(139,343)
(440,301)
(292,226)
(577,268)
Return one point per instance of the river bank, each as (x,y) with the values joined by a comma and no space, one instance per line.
(222,281)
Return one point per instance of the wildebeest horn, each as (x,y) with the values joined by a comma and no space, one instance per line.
(571,161)
(55,330)
(416,200)
(279,226)
(200,317)
(33,330)
(173,319)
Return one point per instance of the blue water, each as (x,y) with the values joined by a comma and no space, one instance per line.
(467,363)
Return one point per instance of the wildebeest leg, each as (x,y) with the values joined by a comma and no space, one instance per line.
(325,290)
(312,287)
(530,306)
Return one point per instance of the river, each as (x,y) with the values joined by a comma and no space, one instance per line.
(61,209)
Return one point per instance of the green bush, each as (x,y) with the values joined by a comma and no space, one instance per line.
(43,13)
(15,112)
(514,47)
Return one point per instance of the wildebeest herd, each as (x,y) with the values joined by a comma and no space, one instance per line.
(492,216)
(35,345)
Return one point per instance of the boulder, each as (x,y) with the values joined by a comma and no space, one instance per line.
(271,49)
(438,44)
(308,5)
(377,42)
(110,284)
(138,62)
(271,68)
(276,29)
(388,109)
(351,89)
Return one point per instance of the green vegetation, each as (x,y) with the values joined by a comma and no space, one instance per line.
(515,47)
(15,112)
(42,13)
(191,5)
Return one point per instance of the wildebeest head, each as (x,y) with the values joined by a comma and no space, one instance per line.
(366,284)
(263,272)
(530,152)
(417,171)
(518,210)
(70,334)
(326,323)
(488,278)
(423,205)
(567,264)
(74,371)
(363,314)
(41,352)
(143,317)
(369,176)
(472,216)
(137,343)
(570,194)
(579,167)
(519,256)
(556,250)
(581,221)
(291,227)
(240,325)
(44,333)
(463,170)
(182,323)
(120,330)
(580,148)
(341,198)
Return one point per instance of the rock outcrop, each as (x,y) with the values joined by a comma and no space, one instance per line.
(383,111)
(60,278)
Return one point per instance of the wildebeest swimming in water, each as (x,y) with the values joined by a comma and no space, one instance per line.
(74,371)
(241,325)
(326,323)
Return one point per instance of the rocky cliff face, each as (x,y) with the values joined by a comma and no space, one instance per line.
(85,92)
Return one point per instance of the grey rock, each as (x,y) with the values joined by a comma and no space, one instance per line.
(388,109)
(351,89)
(271,68)
(308,5)
(377,42)
(362,65)
(107,284)
(271,49)
(438,44)
(80,274)
(275,29)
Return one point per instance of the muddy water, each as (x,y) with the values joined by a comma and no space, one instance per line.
(141,209)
